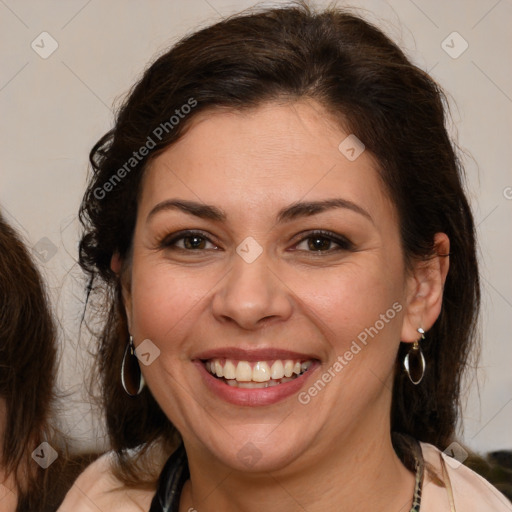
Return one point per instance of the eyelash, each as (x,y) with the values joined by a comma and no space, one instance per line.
(343,243)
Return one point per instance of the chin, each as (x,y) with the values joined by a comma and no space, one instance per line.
(254,451)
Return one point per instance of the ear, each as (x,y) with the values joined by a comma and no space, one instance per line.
(425,290)
(116,264)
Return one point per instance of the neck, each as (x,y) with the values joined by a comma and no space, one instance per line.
(358,471)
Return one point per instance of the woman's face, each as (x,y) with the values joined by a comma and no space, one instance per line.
(255,292)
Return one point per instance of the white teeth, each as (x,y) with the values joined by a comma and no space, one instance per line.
(260,372)
(218,369)
(243,372)
(229,370)
(305,365)
(288,368)
(258,385)
(277,370)
(250,385)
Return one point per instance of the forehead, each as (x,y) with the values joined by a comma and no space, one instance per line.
(274,154)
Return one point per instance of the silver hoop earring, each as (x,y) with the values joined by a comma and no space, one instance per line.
(132,379)
(414,362)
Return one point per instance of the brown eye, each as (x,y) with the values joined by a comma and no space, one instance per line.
(319,243)
(194,242)
(188,241)
(324,242)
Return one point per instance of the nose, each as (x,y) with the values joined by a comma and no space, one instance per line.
(252,296)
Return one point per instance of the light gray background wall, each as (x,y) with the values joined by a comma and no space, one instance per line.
(54,107)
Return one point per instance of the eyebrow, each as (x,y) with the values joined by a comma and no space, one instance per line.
(307,208)
(287,214)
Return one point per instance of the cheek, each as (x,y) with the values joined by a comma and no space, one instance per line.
(164,299)
(360,312)
(165,304)
(352,298)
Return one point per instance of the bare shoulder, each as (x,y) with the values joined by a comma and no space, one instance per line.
(98,489)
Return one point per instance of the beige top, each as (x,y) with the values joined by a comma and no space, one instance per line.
(447,487)
(97,489)
(460,489)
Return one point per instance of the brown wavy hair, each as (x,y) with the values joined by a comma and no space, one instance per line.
(28,369)
(363,79)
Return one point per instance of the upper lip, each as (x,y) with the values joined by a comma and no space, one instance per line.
(251,355)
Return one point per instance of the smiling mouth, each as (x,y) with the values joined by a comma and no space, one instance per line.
(257,374)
